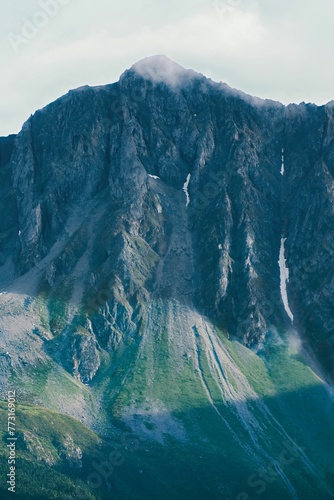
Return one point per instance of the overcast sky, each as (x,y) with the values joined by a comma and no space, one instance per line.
(279,49)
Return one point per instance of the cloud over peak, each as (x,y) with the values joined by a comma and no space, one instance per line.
(160,68)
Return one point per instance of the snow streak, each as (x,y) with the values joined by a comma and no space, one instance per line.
(185,189)
(284,274)
(283,163)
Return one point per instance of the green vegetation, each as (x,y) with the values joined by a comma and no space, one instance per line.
(205,413)
(52,306)
(49,450)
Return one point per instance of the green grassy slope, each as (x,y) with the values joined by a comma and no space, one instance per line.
(192,415)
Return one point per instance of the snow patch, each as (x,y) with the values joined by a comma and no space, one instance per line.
(283,163)
(185,189)
(284,275)
(249,240)
(153,176)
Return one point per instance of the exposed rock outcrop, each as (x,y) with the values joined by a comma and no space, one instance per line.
(97,216)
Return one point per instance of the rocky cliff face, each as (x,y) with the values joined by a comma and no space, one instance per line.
(148,232)
(308,198)
(93,198)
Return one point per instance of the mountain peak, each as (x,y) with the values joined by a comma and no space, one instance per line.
(160,68)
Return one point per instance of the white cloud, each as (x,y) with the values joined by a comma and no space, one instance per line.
(280,50)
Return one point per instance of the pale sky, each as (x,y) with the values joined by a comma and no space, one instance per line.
(277,49)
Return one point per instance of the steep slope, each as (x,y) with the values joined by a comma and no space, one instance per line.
(309,225)
(140,245)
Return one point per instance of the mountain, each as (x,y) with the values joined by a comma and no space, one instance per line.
(165,268)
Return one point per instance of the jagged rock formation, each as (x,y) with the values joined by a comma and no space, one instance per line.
(79,201)
(158,204)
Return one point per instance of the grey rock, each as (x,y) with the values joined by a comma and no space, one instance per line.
(83,212)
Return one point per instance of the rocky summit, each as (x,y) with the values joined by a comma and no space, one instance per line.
(167,274)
